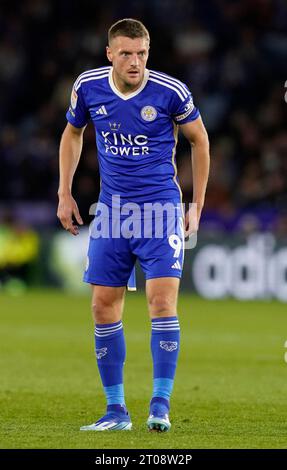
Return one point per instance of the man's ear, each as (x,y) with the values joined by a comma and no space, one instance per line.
(109,53)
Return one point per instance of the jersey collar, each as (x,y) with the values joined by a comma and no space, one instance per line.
(131,95)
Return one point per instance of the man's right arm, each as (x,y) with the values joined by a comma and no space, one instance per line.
(70,152)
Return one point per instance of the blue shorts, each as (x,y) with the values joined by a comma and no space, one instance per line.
(159,249)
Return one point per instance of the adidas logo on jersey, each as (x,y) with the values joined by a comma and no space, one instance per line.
(176,265)
(102,110)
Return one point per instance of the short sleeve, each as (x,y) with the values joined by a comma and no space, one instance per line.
(183,109)
(77,114)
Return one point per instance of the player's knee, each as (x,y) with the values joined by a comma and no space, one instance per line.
(159,305)
(103,310)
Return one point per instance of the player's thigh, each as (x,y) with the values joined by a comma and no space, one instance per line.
(107,303)
(162,295)
(161,254)
(109,261)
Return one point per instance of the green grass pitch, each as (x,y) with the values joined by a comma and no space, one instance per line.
(230,389)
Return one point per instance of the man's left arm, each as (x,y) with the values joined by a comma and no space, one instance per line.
(196,134)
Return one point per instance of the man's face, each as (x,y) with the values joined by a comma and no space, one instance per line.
(129,58)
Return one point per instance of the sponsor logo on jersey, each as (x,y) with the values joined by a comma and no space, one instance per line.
(101,352)
(74,99)
(148,113)
(115,125)
(189,105)
(125,144)
(168,346)
(188,109)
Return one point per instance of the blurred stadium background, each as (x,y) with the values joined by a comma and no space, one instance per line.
(233,55)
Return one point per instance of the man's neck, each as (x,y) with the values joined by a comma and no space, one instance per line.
(123,87)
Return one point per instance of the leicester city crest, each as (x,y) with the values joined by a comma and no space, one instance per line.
(148,113)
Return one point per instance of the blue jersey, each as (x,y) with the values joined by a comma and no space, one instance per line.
(136,134)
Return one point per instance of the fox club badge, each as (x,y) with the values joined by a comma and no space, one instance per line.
(169,346)
(148,113)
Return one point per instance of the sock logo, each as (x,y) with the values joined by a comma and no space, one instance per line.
(101,352)
(168,345)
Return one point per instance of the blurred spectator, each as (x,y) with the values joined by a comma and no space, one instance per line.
(19,248)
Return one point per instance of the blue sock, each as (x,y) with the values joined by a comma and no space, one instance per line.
(165,347)
(110,353)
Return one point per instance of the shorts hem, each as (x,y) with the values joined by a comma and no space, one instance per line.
(164,275)
(103,283)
